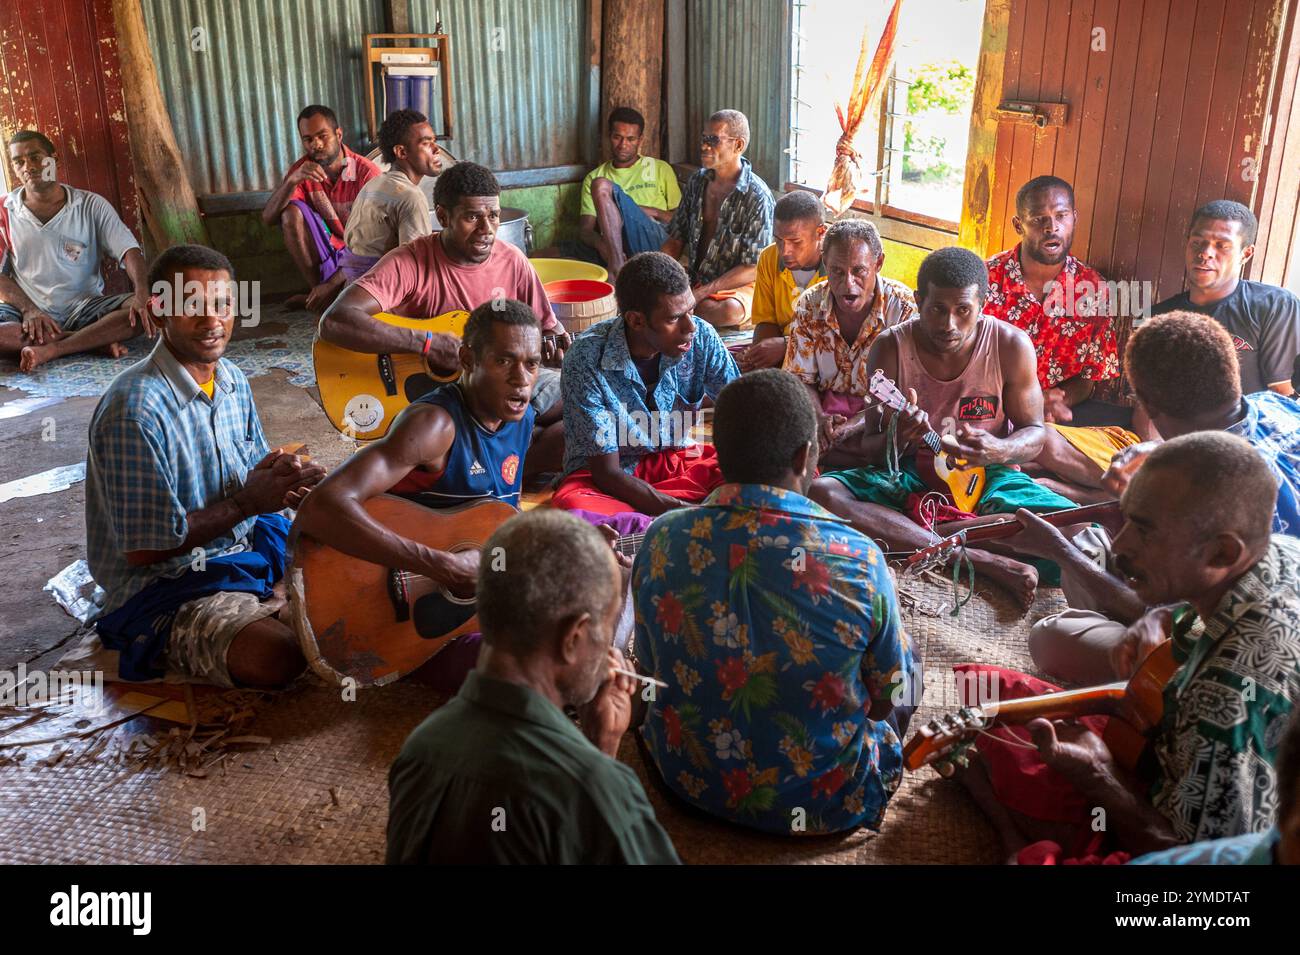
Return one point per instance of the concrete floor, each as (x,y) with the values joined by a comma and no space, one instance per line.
(41,535)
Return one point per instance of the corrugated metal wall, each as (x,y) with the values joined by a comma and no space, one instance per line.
(233,105)
(519,97)
(518,79)
(738,56)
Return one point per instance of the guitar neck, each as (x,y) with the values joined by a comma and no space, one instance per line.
(629,544)
(1067,704)
(1010,526)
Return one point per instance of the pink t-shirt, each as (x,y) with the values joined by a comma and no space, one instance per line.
(417,280)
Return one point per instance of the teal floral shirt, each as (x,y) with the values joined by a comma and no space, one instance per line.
(775,625)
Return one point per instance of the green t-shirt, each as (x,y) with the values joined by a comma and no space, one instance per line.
(500,775)
(648,182)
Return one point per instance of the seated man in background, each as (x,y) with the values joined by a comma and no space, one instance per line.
(836,323)
(629,197)
(974,377)
(52,299)
(182,500)
(462,442)
(461,267)
(785,674)
(1183,369)
(1279,845)
(312,203)
(786,268)
(1263,320)
(501,774)
(391,210)
(723,223)
(633,388)
(1065,308)
(1196,536)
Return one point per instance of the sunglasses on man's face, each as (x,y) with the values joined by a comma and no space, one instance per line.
(713,140)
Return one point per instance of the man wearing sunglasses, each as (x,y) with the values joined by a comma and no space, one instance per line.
(723,223)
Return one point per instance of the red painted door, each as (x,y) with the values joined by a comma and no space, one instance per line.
(59,74)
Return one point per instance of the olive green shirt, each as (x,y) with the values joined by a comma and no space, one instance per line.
(500,775)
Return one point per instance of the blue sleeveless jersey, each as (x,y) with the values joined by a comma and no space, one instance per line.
(481,465)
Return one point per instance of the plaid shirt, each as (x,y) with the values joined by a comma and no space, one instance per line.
(1072,332)
(160,448)
(333,202)
(744,225)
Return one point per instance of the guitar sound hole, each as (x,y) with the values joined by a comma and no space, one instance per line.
(435,615)
(418,385)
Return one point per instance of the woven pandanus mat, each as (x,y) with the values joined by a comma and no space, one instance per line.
(317,792)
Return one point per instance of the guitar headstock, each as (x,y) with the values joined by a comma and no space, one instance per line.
(936,555)
(944,740)
(885,391)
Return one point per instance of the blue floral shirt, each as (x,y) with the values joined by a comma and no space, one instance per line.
(744,225)
(775,625)
(1272,425)
(606,408)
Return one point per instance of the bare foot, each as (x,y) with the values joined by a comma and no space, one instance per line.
(113,350)
(1020,580)
(296,301)
(33,356)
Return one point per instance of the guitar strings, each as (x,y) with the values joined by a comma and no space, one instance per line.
(631,542)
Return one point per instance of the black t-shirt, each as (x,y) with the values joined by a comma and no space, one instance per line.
(1264,322)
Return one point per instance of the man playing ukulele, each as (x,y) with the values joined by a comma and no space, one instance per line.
(975,378)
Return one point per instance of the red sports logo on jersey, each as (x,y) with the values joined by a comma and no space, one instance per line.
(509,468)
(1241,344)
(977,407)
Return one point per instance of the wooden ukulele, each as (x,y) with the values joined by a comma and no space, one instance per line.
(361,393)
(965,484)
(375,624)
(1134,708)
(938,553)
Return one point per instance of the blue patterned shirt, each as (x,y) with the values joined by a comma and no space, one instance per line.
(1272,425)
(160,448)
(775,625)
(744,225)
(606,408)
(1254,848)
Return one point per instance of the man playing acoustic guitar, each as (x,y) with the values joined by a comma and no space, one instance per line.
(1195,538)
(974,376)
(462,442)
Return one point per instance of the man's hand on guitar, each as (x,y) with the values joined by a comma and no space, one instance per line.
(1071,749)
(443,358)
(1124,465)
(1039,538)
(975,448)
(457,572)
(913,423)
(1143,635)
(1055,408)
(828,425)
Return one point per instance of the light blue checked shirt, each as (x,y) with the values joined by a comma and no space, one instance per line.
(606,407)
(160,448)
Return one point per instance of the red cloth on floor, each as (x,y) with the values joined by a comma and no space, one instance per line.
(690,474)
(1021,780)
(944,511)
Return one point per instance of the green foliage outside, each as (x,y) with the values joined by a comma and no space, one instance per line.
(946,88)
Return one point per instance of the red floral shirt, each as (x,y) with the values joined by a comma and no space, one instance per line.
(1072,331)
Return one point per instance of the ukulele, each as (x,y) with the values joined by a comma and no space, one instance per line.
(361,393)
(964,484)
(1134,708)
(357,619)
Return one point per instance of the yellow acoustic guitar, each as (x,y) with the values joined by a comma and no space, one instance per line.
(361,393)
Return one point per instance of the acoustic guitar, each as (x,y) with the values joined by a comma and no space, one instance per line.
(1134,708)
(373,624)
(361,393)
(965,484)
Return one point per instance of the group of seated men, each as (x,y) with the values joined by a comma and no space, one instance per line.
(763,604)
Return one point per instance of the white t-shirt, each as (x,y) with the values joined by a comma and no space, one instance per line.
(389,211)
(57,263)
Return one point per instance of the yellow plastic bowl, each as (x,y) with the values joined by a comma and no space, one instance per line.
(561,270)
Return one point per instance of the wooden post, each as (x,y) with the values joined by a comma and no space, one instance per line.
(166,197)
(981,151)
(631,71)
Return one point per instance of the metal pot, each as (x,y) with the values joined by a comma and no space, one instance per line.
(516,229)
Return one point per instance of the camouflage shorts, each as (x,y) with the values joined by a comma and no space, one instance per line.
(205,628)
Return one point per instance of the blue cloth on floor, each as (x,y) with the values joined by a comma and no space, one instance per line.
(140,629)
